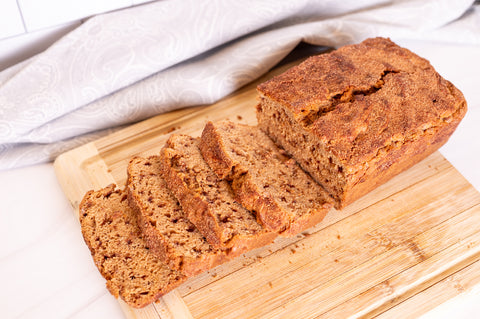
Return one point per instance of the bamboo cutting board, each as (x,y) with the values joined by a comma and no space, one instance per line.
(401,250)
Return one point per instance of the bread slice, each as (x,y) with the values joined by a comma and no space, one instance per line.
(264,179)
(119,251)
(168,232)
(207,200)
(357,116)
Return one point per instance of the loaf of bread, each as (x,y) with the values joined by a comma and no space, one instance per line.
(207,200)
(265,180)
(167,230)
(119,251)
(357,116)
(352,119)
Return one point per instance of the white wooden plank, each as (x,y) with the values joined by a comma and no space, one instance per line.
(10,19)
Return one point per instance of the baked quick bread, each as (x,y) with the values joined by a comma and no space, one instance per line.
(209,201)
(168,232)
(265,180)
(359,115)
(110,230)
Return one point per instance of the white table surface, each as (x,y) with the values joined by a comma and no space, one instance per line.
(46,269)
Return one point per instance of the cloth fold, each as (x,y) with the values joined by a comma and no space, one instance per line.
(125,66)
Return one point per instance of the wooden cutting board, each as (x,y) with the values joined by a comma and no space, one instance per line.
(403,249)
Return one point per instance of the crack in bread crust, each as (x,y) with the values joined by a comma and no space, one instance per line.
(346,96)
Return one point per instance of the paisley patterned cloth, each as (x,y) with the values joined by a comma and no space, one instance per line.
(125,66)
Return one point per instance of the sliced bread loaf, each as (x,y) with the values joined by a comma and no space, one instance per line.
(168,231)
(264,179)
(207,200)
(119,251)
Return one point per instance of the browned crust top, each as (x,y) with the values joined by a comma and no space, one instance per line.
(364,97)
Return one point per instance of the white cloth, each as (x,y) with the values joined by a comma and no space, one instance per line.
(128,65)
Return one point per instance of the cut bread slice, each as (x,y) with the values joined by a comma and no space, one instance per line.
(264,179)
(209,201)
(119,251)
(168,232)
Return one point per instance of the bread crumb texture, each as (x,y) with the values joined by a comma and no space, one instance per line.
(208,200)
(264,178)
(168,231)
(119,250)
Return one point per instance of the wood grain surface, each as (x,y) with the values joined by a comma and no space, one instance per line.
(399,251)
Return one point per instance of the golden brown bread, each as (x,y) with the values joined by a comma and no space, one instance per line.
(357,116)
(167,230)
(110,230)
(209,201)
(265,180)
(352,118)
